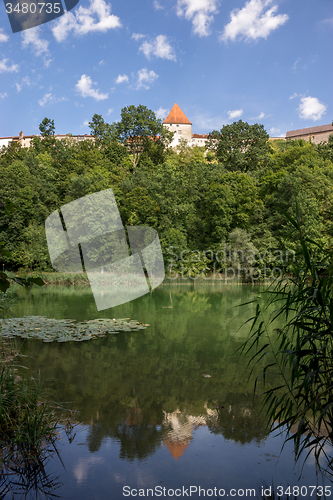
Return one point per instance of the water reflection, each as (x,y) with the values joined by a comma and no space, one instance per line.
(31,477)
(142,397)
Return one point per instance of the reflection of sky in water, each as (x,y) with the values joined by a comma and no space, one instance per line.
(151,416)
(207,461)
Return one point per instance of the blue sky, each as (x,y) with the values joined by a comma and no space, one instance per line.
(265,61)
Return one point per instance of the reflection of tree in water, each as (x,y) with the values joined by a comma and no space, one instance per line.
(28,478)
(123,386)
(140,434)
(240,421)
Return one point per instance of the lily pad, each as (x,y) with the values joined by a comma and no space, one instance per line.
(64,330)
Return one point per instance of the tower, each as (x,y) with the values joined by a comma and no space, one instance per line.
(177,122)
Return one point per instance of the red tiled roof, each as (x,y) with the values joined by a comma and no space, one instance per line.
(177,116)
(199,136)
(310,130)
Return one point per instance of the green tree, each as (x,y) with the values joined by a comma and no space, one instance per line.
(47,127)
(241,146)
(103,132)
(138,128)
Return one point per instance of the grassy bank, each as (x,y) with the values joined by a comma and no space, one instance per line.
(53,278)
(27,423)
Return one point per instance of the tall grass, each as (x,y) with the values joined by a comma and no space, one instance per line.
(28,433)
(300,353)
(27,423)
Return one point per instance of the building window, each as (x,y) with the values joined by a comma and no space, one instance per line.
(179,131)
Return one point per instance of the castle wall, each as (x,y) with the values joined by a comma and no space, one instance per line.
(181,131)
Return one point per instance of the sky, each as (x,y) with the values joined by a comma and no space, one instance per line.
(261,61)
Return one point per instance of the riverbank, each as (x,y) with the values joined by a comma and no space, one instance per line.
(53,278)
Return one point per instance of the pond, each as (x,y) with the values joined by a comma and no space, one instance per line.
(164,411)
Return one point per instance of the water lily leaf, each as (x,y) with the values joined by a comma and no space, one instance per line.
(63,330)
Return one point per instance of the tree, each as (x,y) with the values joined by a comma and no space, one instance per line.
(103,132)
(241,146)
(47,127)
(138,128)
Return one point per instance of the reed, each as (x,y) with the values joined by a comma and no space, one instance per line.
(300,353)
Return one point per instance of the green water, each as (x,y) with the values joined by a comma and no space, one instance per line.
(148,415)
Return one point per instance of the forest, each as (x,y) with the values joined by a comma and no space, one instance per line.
(210,208)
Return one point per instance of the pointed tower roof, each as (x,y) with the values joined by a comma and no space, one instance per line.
(177,116)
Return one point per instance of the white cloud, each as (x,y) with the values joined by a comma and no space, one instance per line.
(4,68)
(160,47)
(84,87)
(39,45)
(161,112)
(200,12)
(328,22)
(122,79)
(3,36)
(95,18)
(157,5)
(274,131)
(44,99)
(208,123)
(86,123)
(259,117)
(137,36)
(253,21)
(311,108)
(25,81)
(145,78)
(2,96)
(294,95)
(236,113)
(50,99)
(109,111)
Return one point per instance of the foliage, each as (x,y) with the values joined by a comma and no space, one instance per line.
(301,351)
(103,132)
(193,202)
(138,128)
(47,127)
(241,146)
(64,330)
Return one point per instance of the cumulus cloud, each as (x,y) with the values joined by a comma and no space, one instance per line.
(200,12)
(161,112)
(122,79)
(145,78)
(3,36)
(137,36)
(202,121)
(31,38)
(311,108)
(85,87)
(236,113)
(24,82)
(160,47)
(253,21)
(5,68)
(274,131)
(3,95)
(109,111)
(95,18)
(157,5)
(50,99)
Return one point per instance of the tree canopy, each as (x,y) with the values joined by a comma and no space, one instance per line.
(195,202)
(241,146)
